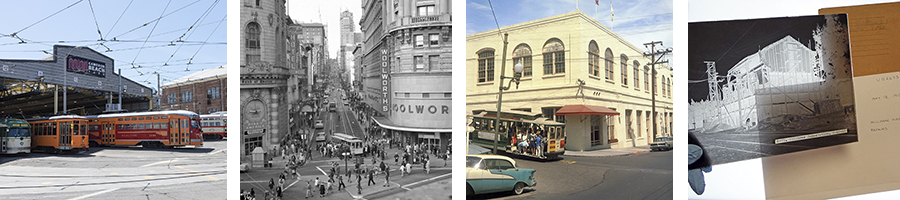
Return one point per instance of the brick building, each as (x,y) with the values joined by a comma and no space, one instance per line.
(201,92)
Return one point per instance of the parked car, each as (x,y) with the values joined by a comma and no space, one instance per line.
(245,167)
(661,143)
(494,173)
(319,124)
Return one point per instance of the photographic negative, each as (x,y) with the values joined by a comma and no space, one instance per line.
(764,87)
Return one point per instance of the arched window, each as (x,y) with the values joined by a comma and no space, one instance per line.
(554,57)
(609,64)
(522,54)
(594,58)
(647,79)
(485,65)
(670,86)
(624,69)
(252,35)
(637,74)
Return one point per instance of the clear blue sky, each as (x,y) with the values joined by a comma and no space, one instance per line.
(75,26)
(638,21)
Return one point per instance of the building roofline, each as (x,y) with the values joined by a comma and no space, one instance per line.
(553,19)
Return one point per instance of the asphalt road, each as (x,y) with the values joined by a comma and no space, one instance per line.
(642,176)
(117,173)
(730,146)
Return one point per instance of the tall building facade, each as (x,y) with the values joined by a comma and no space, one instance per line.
(202,92)
(264,74)
(347,29)
(307,49)
(406,69)
(348,43)
(587,64)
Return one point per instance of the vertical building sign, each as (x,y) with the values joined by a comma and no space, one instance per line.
(385,97)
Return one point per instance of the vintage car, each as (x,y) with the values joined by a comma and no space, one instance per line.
(494,173)
(319,124)
(661,143)
(320,137)
(245,167)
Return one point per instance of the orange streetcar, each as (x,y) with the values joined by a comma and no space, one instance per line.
(59,133)
(156,129)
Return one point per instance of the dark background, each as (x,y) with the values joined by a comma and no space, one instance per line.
(728,42)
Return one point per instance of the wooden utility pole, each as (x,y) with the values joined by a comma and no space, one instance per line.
(653,57)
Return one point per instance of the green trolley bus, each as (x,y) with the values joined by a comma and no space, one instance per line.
(15,136)
(522,128)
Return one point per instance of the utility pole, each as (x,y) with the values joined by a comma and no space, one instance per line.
(653,57)
(500,94)
(159,94)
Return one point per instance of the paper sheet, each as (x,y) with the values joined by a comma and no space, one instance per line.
(873,36)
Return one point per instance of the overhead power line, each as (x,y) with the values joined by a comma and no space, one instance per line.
(95,19)
(151,31)
(45,18)
(157,19)
(120,18)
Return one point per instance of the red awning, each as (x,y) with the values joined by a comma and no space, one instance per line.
(585,110)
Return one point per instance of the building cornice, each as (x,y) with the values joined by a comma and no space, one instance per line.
(551,20)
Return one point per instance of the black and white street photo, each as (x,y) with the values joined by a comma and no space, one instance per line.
(345,99)
(764,87)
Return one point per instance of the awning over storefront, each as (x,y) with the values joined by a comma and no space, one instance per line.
(475,149)
(585,110)
(384,122)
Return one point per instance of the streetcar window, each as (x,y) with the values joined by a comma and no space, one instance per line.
(18,132)
(165,117)
(163,125)
(134,118)
(120,119)
(140,126)
(140,118)
(155,117)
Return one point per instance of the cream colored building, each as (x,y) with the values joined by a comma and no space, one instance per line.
(559,52)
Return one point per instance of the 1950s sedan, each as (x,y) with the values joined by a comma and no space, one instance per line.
(493,173)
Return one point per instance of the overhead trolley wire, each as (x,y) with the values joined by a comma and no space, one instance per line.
(95,19)
(157,19)
(207,38)
(45,18)
(191,29)
(117,20)
(167,32)
(199,19)
(151,31)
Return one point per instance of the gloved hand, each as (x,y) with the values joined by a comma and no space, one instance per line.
(695,176)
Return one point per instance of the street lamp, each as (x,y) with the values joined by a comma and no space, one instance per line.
(517,74)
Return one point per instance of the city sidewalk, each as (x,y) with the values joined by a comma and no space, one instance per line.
(609,152)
